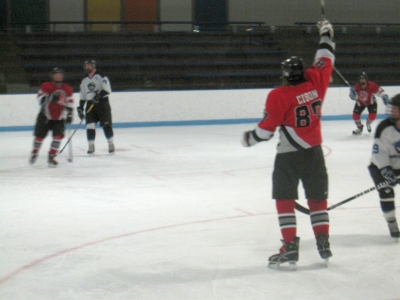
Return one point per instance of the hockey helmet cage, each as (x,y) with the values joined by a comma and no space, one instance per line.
(293,69)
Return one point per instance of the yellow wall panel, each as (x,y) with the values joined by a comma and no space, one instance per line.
(104,10)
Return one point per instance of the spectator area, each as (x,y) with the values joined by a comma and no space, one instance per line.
(189,60)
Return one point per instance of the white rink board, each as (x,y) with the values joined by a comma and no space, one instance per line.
(167,106)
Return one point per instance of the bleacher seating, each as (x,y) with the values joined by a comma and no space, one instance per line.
(188,60)
(373,48)
(170,61)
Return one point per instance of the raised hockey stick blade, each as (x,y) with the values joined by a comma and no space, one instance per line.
(306,211)
(77,127)
(323,16)
(323,10)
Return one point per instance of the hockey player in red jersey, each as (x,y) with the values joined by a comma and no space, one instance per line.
(296,109)
(364,93)
(56,106)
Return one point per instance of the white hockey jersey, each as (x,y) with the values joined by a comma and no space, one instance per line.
(90,86)
(386,147)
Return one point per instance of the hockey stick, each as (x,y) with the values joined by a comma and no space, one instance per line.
(70,154)
(77,127)
(323,10)
(306,211)
(323,15)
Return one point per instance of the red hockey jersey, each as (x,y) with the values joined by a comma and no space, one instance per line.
(54,99)
(365,97)
(297,109)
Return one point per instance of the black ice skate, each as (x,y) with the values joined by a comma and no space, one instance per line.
(324,247)
(288,253)
(51,161)
(91,149)
(394,229)
(33,158)
(111,148)
(358,131)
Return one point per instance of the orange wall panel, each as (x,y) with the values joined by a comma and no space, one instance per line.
(141,10)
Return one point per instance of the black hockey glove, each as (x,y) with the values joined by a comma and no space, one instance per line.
(388,174)
(250,138)
(96,98)
(55,97)
(81,115)
(68,119)
(385,99)
(43,100)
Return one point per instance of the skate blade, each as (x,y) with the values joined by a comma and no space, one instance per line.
(326,261)
(287,266)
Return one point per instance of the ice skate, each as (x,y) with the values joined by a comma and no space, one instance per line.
(324,247)
(358,131)
(394,230)
(369,127)
(33,158)
(91,149)
(111,148)
(51,161)
(288,253)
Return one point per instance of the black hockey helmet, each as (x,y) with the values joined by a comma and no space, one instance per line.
(293,70)
(362,75)
(89,61)
(394,101)
(57,71)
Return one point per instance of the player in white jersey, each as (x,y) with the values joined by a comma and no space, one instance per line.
(385,163)
(94,92)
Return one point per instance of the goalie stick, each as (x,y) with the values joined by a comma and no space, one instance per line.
(323,15)
(77,127)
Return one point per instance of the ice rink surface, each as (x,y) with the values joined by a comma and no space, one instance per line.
(183,213)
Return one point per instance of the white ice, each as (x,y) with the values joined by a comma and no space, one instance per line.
(183,213)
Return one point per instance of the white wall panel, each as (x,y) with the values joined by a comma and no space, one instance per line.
(71,10)
(176,10)
(287,12)
(131,107)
